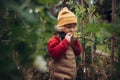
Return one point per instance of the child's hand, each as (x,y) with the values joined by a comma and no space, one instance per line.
(68,36)
(75,36)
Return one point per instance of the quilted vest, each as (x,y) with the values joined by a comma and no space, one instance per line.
(65,67)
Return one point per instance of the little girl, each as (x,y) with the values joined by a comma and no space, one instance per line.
(63,47)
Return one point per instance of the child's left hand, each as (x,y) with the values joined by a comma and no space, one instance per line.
(74,37)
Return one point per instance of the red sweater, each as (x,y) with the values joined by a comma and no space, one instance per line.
(57,48)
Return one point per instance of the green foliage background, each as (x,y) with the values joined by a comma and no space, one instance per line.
(23,34)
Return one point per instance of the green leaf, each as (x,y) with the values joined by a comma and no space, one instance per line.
(47,1)
(96,27)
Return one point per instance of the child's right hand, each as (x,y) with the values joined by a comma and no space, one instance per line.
(68,36)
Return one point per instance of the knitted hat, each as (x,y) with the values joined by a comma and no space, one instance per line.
(65,16)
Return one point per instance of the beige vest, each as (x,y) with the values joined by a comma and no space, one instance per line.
(65,67)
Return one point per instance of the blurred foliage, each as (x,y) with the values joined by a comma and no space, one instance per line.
(45,2)
(91,22)
(25,28)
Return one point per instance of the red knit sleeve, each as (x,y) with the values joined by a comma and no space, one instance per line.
(77,48)
(57,48)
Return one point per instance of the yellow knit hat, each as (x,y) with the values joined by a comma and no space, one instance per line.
(65,16)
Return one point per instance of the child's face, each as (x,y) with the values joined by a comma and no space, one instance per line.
(69,28)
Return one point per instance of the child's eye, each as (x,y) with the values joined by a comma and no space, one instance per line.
(69,27)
